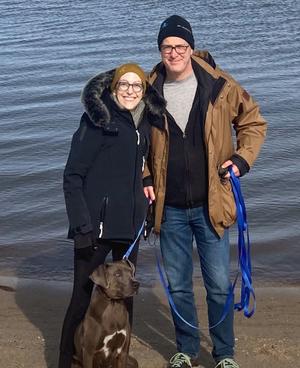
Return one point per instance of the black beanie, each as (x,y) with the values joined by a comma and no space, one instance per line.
(176,26)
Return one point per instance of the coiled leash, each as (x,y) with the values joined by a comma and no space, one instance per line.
(244,248)
(244,263)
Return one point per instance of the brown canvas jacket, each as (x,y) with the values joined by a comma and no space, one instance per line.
(232,107)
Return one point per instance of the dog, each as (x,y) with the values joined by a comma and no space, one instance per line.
(102,339)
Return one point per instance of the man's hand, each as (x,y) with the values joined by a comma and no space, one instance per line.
(149,193)
(226,174)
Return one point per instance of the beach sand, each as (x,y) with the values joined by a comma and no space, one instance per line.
(31,315)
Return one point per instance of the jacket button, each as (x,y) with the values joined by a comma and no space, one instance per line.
(221,96)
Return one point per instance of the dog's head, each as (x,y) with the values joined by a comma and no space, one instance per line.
(116,279)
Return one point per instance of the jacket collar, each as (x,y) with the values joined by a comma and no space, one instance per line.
(204,68)
(94,98)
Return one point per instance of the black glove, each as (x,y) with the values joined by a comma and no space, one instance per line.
(223,171)
(84,246)
(149,222)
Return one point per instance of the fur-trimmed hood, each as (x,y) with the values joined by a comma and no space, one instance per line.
(98,112)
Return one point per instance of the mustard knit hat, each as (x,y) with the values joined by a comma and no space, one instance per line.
(128,68)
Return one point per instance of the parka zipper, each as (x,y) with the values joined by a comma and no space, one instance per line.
(138,137)
(102,215)
(135,173)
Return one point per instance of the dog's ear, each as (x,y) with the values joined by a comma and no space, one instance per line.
(131,265)
(99,276)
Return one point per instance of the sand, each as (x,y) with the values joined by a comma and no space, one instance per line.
(31,315)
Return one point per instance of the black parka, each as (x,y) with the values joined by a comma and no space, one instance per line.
(103,176)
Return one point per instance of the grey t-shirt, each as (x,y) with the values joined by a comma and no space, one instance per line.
(180,96)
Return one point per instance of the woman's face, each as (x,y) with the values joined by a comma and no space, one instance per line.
(129,90)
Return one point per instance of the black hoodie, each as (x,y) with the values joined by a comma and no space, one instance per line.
(186,185)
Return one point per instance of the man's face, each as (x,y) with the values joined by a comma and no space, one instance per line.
(176,60)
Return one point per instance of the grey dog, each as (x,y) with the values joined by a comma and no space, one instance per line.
(102,339)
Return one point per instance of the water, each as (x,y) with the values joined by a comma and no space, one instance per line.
(49,49)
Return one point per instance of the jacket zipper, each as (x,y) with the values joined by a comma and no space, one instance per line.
(102,215)
(134,181)
(138,137)
(189,194)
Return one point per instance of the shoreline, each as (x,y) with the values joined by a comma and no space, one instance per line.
(32,311)
(55,262)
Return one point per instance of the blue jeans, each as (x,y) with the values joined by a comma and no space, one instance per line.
(179,228)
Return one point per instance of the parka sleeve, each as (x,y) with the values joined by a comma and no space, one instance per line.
(85,145)
(248,123)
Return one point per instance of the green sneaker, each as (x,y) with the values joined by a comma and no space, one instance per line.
(227,363)
(180,360)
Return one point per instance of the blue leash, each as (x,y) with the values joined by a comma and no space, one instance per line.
(247,290)
(244,262)
(129,250)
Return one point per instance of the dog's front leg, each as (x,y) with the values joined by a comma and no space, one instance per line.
(121,361)
(87,359)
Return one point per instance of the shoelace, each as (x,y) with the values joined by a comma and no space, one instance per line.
(229,363)
(178,359)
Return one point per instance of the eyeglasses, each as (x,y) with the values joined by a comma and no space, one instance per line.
(124,86)
(180,49)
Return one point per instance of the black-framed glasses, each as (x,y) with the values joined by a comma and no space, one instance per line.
(180,49)
(124,86)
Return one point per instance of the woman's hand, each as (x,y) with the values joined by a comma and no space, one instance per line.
(149,193)
(84,246)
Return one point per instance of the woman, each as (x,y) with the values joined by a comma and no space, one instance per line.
(103,184)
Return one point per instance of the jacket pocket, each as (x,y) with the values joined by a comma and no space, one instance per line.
(228,204)
(102,215)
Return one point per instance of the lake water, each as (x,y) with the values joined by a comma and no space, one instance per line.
(49,49)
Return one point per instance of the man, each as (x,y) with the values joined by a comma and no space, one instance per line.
(192,199)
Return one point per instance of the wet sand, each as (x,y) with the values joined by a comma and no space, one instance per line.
(31,314)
